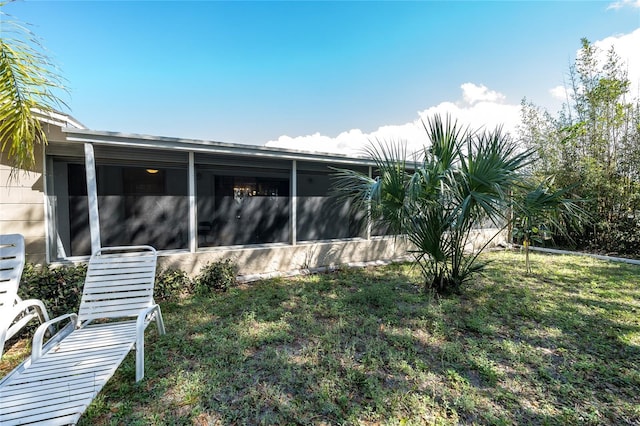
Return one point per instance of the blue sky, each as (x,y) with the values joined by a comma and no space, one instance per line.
(252,72)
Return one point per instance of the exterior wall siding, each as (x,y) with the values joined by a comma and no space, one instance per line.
(22,206)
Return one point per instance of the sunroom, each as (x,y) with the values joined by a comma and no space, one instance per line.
(269,210)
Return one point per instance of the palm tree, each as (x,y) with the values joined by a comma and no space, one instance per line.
(458,182)
(28,85)
(540,212)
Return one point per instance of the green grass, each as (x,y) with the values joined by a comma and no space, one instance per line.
(561,346)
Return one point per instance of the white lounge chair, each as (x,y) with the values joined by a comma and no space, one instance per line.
(15,313)
(60,379)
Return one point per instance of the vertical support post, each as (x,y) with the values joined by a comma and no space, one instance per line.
(48,208)
(510,219)
(193,213)
(293,217)
(369,219)
(92,197)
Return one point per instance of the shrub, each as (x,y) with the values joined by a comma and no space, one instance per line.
(216,276)
(171,284)
(59,288)
(460,180)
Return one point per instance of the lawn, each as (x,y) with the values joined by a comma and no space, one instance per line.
(561,346)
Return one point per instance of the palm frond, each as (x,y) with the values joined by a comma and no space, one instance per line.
(463,179)
(557,210)
(446,139)
(491,168)
(428,234)
(29,82)
(353,186)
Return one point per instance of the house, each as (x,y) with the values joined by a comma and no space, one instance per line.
(270,210)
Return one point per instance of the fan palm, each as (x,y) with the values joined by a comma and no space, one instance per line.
(28,85)
(460,181)
(539,210)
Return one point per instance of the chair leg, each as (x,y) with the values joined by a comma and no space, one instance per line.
(3,335)
(142,321)
(42,314)
(160,323)
(140,358)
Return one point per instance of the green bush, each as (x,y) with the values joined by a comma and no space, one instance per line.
(216,277)
(59,288)
(617,237)
(171,284)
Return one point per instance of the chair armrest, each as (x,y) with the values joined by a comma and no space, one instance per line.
(23,304)
(17,320)
(37,346)
(141,321)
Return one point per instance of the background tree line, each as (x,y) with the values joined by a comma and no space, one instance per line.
(593,142)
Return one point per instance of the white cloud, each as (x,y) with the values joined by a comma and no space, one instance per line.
(486,114)
(560,93)
(482,108)
(350,142)
(478,107)
(354,141)
(623,3)
(472,93)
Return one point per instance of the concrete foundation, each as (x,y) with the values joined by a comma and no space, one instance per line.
(278,260)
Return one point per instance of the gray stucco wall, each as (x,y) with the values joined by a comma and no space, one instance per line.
(285,258)
(276,260)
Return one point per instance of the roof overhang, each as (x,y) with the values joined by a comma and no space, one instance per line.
(58,119)
(83,135)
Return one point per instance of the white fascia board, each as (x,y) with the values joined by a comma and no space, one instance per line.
(202,146)
(58,119)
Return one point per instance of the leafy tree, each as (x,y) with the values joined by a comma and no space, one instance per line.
(460,181)
(594,140)
(29,82)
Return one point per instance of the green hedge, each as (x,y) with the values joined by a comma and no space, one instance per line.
(60,287)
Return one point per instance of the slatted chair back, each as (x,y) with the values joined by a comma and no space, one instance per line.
(119,283)
(11,265)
